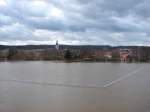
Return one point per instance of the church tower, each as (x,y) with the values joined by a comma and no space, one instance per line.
(57,45)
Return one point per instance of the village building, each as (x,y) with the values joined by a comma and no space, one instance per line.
(127,55)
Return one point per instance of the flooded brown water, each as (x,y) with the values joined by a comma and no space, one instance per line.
(43,86)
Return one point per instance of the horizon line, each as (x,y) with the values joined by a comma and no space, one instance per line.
(79,45)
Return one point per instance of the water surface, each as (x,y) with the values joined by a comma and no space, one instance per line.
(43,86)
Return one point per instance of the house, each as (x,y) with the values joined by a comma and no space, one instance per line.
(127,55)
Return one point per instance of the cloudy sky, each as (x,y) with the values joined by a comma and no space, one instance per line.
(94,22)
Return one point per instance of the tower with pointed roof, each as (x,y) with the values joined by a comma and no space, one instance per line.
(57,45)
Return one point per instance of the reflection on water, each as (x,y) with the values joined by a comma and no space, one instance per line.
(73,87)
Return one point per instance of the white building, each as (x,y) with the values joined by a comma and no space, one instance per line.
(57,45)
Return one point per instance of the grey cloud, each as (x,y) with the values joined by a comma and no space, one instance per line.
(80,21)
(5,20)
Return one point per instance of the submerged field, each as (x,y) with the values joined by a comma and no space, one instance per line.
(42,86)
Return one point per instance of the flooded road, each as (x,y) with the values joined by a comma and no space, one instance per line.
(44,86)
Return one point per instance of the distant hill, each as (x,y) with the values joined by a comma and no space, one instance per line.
(28,47)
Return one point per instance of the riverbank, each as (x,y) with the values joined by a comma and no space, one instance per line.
(71,61)
(76,53)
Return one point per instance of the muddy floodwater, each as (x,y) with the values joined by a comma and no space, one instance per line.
(43,86)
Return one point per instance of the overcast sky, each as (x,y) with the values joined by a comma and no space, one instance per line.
(94,22)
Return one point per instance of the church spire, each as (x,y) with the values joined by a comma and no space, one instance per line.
(57,45)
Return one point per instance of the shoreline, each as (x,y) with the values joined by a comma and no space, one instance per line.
(71,61)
